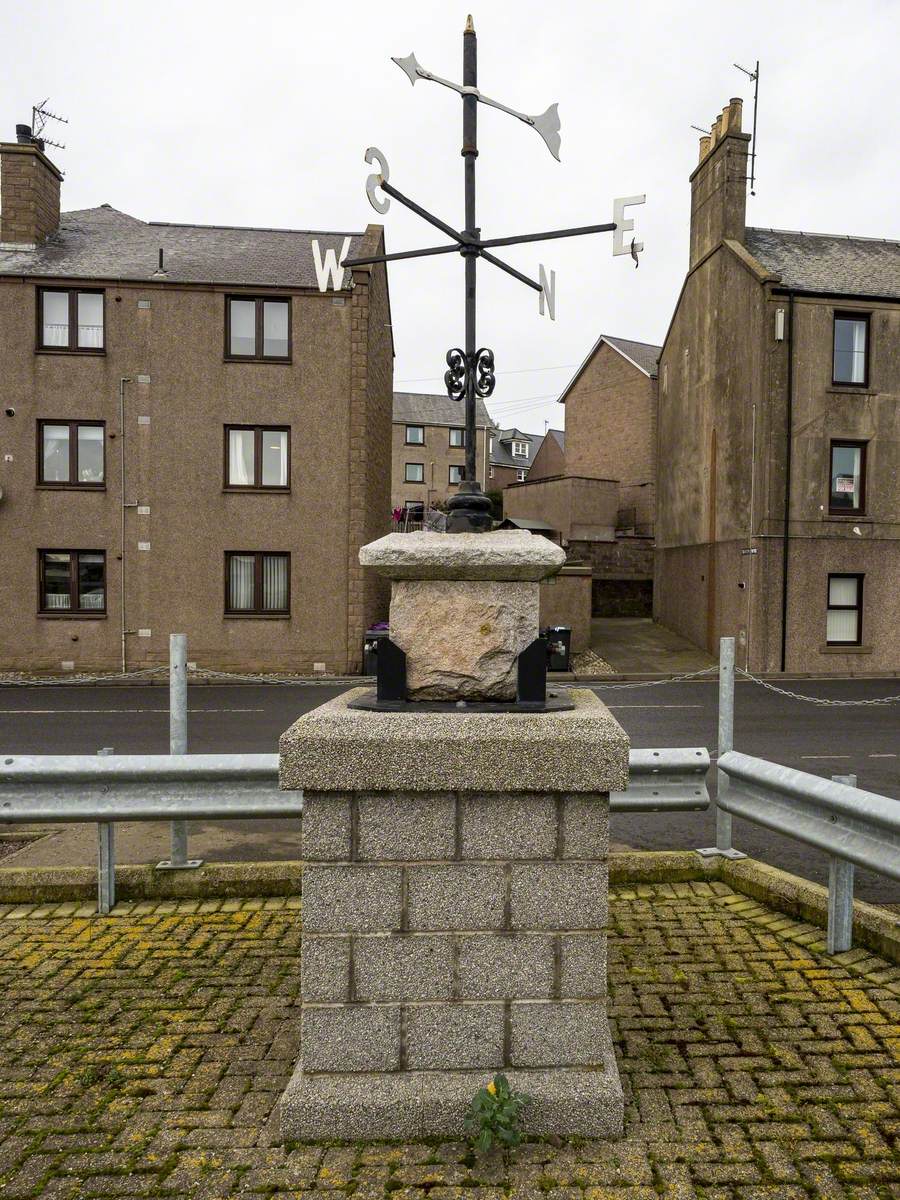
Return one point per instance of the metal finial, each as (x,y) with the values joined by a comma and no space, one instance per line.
(470,27)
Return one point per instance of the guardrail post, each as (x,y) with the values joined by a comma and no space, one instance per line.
(840,894)
(178,859)
(106,860)
(723,846)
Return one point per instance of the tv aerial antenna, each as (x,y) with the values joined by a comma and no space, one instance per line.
(754,75)
(40,115)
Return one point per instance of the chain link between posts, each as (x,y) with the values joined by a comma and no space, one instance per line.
(824,701)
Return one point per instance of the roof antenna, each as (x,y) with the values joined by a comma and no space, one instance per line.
(700,129)
(40,115)
(754,75)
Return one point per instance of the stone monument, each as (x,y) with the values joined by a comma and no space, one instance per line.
(455,868)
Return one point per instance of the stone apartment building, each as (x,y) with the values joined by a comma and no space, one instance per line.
(428,448)
(193,436)
(779,436)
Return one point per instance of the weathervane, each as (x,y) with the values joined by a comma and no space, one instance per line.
(470,372)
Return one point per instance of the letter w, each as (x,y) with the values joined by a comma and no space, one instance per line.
(330,268)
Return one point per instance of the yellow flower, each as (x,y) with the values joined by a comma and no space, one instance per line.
(492,1088)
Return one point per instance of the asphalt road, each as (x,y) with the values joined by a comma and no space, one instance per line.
(249,718)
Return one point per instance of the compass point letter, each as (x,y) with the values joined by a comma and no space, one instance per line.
(327,269)
(374,181)
(623,226)
(548,291)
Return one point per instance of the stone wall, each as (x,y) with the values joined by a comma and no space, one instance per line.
(29,195)
(576,508)
(566,600)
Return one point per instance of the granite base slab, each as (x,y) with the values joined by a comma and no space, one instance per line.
(406,1105)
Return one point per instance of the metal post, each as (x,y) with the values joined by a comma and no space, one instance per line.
(723,846)
(106,860)
(840,894)
(178,859)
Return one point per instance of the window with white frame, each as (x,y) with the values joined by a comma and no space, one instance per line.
(520,449)
(521,475)
(844,617)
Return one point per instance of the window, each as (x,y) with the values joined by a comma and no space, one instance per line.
(491,446)
(490,472)
(521,475)
(257,328)
(456,474)
(70,454)
(844,620)
(257,583)
(257,457)
(415,473)
(415,435)
(458,437)
(70,320)
(848,478)
(72,582)
(851,346)
(520,449)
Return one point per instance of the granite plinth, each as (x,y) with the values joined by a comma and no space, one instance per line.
(504,554)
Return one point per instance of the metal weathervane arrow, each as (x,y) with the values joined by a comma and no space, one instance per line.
(470,372)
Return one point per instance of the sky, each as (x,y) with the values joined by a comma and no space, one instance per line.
(234,114)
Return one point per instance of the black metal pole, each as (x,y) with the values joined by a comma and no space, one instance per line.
(470,153)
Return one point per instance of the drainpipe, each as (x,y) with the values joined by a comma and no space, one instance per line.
(785,545)
(125,379)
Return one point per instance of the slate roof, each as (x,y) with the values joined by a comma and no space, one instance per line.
(643,355)
(824,262)
(560,437)
(419,408)
(103,243)
(502,455)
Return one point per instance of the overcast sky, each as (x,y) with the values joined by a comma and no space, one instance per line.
(260,114)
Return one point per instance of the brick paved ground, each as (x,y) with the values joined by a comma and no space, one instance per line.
(142,1054)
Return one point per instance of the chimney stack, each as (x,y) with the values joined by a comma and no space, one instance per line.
(719,184)
(29,192)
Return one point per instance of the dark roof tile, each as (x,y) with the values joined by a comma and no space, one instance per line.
(822,262)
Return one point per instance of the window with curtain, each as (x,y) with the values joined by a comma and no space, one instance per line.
(851,337)
(257,582)
(844,616)
(257,456)
(258,328)
(848,472)
(457,437)
(73,581)
(415,435)
(71,320)
(71,453)
(415,473)
(456,474)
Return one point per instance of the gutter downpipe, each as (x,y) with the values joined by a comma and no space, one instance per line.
(125,379)
(785,546)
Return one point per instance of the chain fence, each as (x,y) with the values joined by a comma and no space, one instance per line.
(824,701)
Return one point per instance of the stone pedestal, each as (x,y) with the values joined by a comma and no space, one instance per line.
(454,918)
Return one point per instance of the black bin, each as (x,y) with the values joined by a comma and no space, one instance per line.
(370,650)
(559,647)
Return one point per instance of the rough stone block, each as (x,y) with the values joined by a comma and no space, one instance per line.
(583,966)
(557,1035)
(325,828)
(319,1108)
(506,966)
(558,895)
(406,826)
(324,968)
(455,1036)
(351,899)
(507,826)
(403,967)
(585,826)
(356,1037)
(455,896)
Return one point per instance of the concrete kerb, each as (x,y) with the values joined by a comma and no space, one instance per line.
(875,928)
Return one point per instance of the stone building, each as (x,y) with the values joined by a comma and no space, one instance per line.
(779,433)
(428,448)
(512,453)
(194,437)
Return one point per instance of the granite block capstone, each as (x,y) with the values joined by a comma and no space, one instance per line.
(585,826)
(455,896)
(354,898)
(406,826)
(503,966)
(336,748)
(558,895)
(350,1037)
(506,554)
(455,1037)
(583,962)
(404,967)
(325,831)
(557,1035)
(507,826)
(325,968)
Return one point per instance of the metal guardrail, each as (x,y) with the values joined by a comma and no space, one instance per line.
(42,788)
(854,827)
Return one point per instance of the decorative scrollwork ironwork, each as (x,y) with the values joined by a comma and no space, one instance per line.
(484,367)
(455,378)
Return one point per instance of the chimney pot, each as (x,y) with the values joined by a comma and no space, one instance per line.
(23,134)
